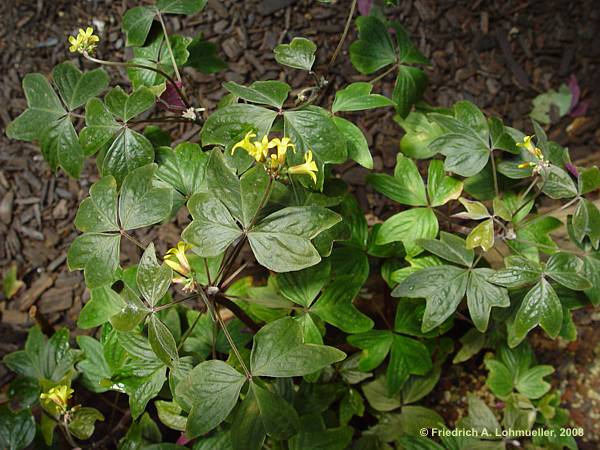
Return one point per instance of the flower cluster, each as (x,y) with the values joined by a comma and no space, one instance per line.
(57,398)
(528,145)
(85,42)
(260,151)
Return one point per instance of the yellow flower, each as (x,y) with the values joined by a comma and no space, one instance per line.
(282,145)
(257,149)
(85,42)
(526,165)
(308,168)
(527,144)
(58,395)
(177,260)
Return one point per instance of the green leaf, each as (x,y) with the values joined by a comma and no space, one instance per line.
(482,296)
(373,49)
(303,286)
(102,305)
(224,183)
(375,346)
(500,138)
(541,306)
(407,227)
(75,87)
(97,254)
(153,279)
(405,187)
(420,131)
(43,107)
(532,384)
(214,388)
(278,351)
(186,7)
(156,55)
(280,420)
(589,180)
(519,272)
(127,106)
(557,183)
(203,56)
(338,438)
(299,54)
(358,97)
(440,187)
(543,103)
(410,85)
(183,168)
(586,222)
(60,147)
(17,430)
(466,155)
(500,379)
(281,241)
(591,270)
(129,151)
(314,129)
(472,343)
(335,306)
(94,367)
(480,418)
(136,25)
(141,204)
(482,236)
(272,93)
(98,212)
(169,413)
(450,247)
(83,421)
(250,432)
(253,188)
(228,125)
(101,127)
(132,312)
(407,356)
(565,268)
(443,287)
(376,393)
(162,341)
(213,229)
(356,142)
(43,359)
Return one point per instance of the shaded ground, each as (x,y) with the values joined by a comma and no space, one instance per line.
(498,54)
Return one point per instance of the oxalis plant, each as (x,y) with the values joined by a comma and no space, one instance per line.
(248,333)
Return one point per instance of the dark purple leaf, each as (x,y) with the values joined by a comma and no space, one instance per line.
(364,7)
(170,98)
(572,169)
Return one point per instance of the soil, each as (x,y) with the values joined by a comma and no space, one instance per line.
(499,54)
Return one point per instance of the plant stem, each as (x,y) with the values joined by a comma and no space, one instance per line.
(552,211)
(239,312)
(380,76)
(168,42)
(168,119)
(129,237)
(141,66)
(188,331)
(494,174)
(344,34)
(216,316)
(174,302)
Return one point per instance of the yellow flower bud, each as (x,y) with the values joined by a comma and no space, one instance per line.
(177,260)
